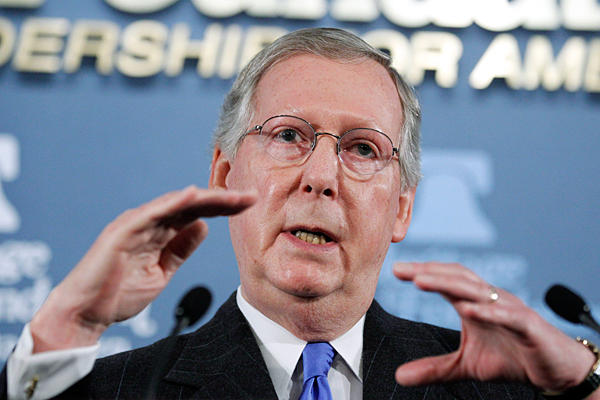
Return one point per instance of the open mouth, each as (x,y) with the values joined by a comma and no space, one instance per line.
(312,237)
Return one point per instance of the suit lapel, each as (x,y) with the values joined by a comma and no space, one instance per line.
(390,342)
(383,352)
(222,360)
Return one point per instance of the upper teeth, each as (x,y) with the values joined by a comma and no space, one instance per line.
(314,238)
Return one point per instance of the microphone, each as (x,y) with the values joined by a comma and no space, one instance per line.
(570,306)
(190,309)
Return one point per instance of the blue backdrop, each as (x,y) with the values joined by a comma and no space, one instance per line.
(511,170)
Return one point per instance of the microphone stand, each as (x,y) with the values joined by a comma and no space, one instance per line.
(192,306)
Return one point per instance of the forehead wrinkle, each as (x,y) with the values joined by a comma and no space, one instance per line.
(322,88)
(344,121)
(331,122)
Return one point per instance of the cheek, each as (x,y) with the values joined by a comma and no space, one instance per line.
(244,225)
(372,220)
(249,171)
(262,221)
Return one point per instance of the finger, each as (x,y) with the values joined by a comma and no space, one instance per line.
(409,271)
(203,203)
(428,370)
(453,287)
(164,201)
(510,318)
(178,209)
(181,247)
(139,218)
(207,206)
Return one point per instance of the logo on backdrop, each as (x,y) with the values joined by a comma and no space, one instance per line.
(24,279)
(450,225)
(449,200)
(24,283)
(9,170)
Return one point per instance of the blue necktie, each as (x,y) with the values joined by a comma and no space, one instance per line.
(316,359)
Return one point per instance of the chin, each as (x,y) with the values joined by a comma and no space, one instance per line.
(307,289)
(305,292)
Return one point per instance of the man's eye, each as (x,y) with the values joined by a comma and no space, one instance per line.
(287,135)
(364,150)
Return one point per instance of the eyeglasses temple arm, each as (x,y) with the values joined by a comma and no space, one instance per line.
(254,128)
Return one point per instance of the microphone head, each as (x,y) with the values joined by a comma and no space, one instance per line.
(193,305)
(566,303)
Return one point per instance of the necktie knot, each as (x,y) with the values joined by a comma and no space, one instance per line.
(316,359)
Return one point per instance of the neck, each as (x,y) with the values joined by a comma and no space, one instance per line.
(311,319)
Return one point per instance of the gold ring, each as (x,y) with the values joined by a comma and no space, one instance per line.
(493,295)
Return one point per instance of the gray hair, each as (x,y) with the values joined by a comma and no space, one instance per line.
(336,44)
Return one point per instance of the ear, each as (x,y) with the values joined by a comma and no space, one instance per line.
(404,216)
(219,169)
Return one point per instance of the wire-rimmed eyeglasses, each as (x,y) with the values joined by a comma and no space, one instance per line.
(291,139)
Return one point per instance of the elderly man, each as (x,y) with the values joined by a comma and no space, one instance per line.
(316,163)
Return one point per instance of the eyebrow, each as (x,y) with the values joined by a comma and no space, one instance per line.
(368,122)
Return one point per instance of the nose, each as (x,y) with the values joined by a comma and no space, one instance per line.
(320,175)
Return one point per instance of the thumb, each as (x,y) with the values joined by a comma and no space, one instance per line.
(428,370)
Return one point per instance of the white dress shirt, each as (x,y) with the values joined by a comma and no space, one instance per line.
(282,353)
(45,374)
(52,372)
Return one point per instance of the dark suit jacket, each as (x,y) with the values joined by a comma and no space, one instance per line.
(221,360)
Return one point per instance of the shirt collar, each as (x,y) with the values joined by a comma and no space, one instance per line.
(285,348)
(350,346)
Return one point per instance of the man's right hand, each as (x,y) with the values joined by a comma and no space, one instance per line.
(128,265)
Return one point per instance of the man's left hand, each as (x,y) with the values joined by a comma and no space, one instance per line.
(501,339)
